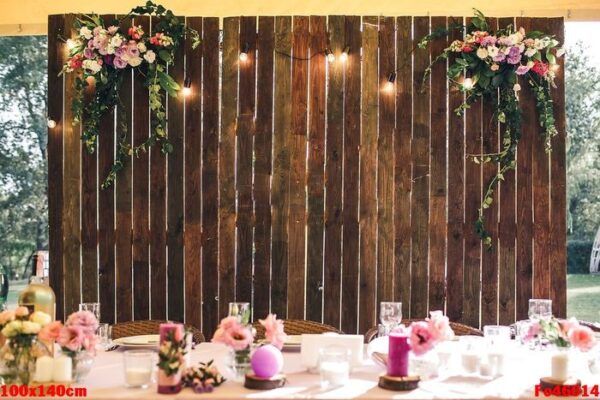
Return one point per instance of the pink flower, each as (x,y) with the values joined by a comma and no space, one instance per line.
(421,339)
(540,68)
(522,69)
(568,324)
(84,319)
(113,29)
(439,326)
(119,63)
(71,337)
(132,49)
(274,330)
(533,331)
(233,334)
(582,337)
(50,332)
(88,53)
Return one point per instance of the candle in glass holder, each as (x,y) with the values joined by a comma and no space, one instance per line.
(398,354)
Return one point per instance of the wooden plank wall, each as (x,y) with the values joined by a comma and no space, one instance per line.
(310,188)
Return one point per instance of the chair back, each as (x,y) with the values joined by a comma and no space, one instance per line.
(458,328)
(297,327)
(149,327)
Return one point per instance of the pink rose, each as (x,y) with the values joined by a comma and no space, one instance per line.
(421,339)
(21,312)
(50,332)
(582,337)
(84,319)
(274,330)
(71,337)
(522,69)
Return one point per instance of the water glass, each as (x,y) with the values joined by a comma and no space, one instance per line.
(104,335)
(138,368)
(497,334)
(390,314)
(94,308)
(540,309)
(334,366)
(241,311)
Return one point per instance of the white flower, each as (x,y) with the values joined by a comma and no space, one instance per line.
(538,44)
(530,52)
(530,64)
(554,42)
(514,38)
(93,66)
(85,32)
(141,47)
(517,87)
(12,328)
(40,317)
(150,56)
(482,53)
(135,61)
(560,52)
(492,51)
(31,328)
(116,41)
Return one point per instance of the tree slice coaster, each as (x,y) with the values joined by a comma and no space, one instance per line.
(399,383)
(551,384)
(254,382)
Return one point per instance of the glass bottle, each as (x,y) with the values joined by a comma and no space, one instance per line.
(38,296)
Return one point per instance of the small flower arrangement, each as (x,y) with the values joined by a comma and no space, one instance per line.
(76,335)
(232,333)
(274,330)
(203,378)
(171,353)
(425,335)
(562,334)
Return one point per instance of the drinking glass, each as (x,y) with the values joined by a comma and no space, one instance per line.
(540,309)
(390,314)
(334,366)
(241,311)
(497,334)
(94,308)
(138,368)
(104,335)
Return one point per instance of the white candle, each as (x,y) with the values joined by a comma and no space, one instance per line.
(62,368)
(334,373)
(43,369)
(496,360)
(470,362)
(136,377)
(560,366)
(485,369)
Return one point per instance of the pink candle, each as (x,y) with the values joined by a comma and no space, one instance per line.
(169,384)
(398,354)
(167,327)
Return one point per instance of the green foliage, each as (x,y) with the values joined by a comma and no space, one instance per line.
(578,256)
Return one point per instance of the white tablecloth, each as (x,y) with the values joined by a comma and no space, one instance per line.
(523,370)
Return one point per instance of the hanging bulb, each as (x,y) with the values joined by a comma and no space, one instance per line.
(51,123)
(244,52)
(330,56)
(344,55)
(467,84)
(187,86)
(389,85)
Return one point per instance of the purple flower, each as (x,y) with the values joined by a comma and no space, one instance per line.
(500,57)
(90,44)
(88,53)
(522,70)
(120,51)
(514,55)
(119,63)
(504,41)
(488,41)
(132,49)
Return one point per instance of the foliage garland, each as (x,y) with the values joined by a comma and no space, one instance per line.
(487,65)
(101,55)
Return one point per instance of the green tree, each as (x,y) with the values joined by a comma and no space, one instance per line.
(23,139)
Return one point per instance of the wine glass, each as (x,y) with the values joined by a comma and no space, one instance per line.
(390,314)
(540,309)
(241,311)
(94,308)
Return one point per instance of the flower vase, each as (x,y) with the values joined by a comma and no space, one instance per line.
(239,364)
(82,365)
(169,384)
(18,355)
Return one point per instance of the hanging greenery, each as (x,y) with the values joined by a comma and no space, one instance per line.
(487,65)
(102,54)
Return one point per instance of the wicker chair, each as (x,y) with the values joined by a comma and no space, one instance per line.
(296,327)
(458,328)
(148,327)
(594,326)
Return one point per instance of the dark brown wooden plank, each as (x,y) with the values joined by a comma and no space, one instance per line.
(158,233)
(192,239)
(558,194)
(456,197)
(140,198)
(333,176)
(281,165)
(315,170)
(262,166)
(385,167)
(210,189)
(245,136)
(403,164)
(437,206)
(123,202)
(524,195)
(106,224)
(351,184)
(227,164)
(420,175)
(368,175)
(56,59)
(506,237)
(297,216)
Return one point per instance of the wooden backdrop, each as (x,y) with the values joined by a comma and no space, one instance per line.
(303,186)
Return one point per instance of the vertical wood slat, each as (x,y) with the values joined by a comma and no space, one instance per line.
(456,197)
(385,162)
(333,177)
(245,135)
(437,192)
(558,194)
(195,291)
(141,196)
(351,183)
(123,202)
(227,164)
(506,236)
(368,175)
(281,166)
(210,189)
(420,175)
(297,213)
(315,170)
(56,58)
(403,165)
(262,174)
(524,283)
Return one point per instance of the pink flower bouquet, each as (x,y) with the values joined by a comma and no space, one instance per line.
(562,333)
(274,330)
(233,334)
(77,334)
(425,335)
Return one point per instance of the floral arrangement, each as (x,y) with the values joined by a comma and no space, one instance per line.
(172,351)
(101,55)
(274,330)
(203,378)
(232,333)
(76,335)
(562,334)
(487,64)
(425,335)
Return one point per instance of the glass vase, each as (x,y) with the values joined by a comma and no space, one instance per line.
(18,355)
(82,365)
(239,364)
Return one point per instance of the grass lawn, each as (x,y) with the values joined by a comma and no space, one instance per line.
(583,297)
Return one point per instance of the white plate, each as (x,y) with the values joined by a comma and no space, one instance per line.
(138,341)
(293,343)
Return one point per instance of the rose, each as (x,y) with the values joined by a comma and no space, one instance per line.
(141,47)
(50,332)
(21,312)
(522,69)
(12,328)
(40,318)
(439,326)
(421,339)
(540,68)
(467,49)
(582,337)
(482,53)
(233,334)
(84,319)
(135,61)
(492,51)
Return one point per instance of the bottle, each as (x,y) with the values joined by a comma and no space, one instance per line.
(38,296)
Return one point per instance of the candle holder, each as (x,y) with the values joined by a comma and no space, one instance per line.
(254,382)
(397,377)
(399,383)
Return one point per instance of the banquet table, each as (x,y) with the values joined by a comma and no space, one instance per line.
(523,369)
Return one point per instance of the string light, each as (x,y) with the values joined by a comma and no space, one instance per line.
(344,55)
(389,85)
(467,84)
(187,86)
(330,55)
(51,123)
(244,52)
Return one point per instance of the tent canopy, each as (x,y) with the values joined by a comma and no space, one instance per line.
(28,17)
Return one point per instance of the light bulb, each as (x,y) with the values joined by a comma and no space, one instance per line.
(389,86)
(555,67)
(187,86)
(51,123)
(344,55)
(468,84)
(330,55)
(187,91)
(243,56)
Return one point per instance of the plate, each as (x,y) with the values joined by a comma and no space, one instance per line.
(293,343)
(138,341)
